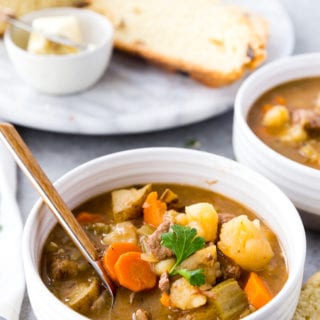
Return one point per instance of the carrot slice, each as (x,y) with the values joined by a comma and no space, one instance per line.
(134,273)
(280,100)
(165,300)
(154,209)
(112,254)
(87,217)
(257,292)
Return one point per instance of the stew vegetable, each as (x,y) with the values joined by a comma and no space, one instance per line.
(175,252)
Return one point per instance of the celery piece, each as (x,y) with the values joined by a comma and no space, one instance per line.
(229,299)
(146,230)
(168,196)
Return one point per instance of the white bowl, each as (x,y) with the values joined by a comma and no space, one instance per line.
(301,183)
(165,165)
(63,74)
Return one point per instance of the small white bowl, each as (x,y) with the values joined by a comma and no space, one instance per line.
(301,183)
(169,165)
(63,74)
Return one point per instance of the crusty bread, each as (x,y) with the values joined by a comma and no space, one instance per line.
(21,7)
(309,303)
(212,42)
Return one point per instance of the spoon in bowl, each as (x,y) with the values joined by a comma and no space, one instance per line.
(30,167)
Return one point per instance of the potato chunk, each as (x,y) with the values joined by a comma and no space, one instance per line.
(127,203)
(205,259)
(163,266)
(185,296)
(309,151)
(245,242)
(295,133)
(122,232)
(277,116)
(82,296)
(204,218)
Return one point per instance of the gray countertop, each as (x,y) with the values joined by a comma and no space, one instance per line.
(58,153)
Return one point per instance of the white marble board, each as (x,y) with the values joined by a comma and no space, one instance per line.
(133,96)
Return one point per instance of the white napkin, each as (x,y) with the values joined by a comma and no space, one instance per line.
(12,284)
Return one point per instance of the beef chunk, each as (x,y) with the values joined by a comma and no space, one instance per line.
(63,269)
(225,217)
(228,268)
(309,119)
(153,242)
(164,282)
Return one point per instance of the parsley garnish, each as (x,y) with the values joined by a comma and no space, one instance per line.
(184,242)
(195,277)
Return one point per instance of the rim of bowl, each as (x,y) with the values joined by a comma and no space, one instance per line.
(242,116)
(94,166)
(108,35)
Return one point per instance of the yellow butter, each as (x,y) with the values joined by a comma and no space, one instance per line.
(65,26)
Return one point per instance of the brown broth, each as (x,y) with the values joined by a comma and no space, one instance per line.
(298,94)
(275,275)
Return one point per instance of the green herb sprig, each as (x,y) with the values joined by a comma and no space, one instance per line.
(184,242)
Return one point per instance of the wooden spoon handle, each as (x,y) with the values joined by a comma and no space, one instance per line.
(49,194)
(51,197)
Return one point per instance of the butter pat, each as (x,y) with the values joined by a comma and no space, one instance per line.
(65,26)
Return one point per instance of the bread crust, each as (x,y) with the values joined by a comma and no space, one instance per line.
(208,77)
(309,301)
(211,78)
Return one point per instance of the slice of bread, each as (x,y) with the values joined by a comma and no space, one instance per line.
(212,42)
(21,7)
(309,301)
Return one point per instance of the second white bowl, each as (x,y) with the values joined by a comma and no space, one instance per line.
(299,182)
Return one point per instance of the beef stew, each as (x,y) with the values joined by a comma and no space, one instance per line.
(229,255)
(287,119)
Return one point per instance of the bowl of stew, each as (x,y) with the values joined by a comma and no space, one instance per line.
(277,129)
(184,234)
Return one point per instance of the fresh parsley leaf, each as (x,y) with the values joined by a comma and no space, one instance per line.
(195,277)
(184,242)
